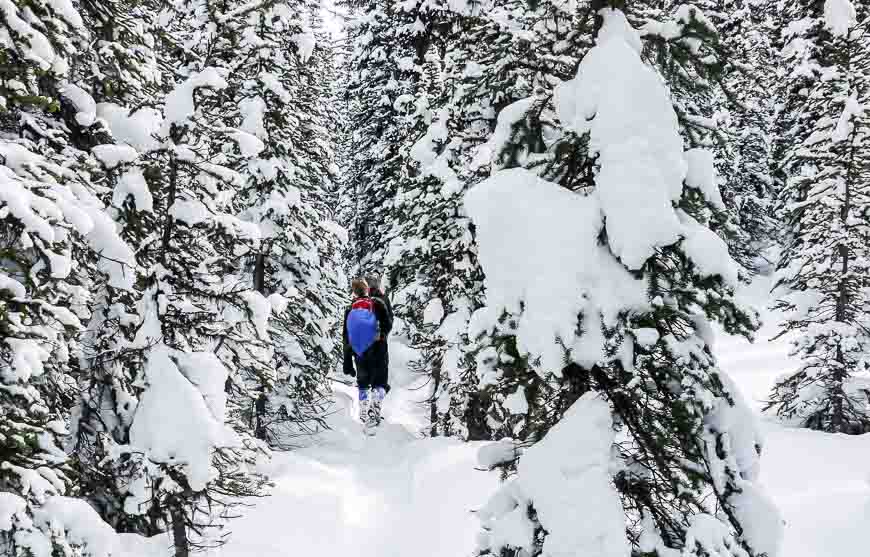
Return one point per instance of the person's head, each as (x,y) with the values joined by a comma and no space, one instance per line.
(359,287)
(374,282)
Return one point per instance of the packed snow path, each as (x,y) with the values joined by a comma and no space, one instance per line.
(391,495)
(394,495)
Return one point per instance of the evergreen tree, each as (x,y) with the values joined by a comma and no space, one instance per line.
(281,74)
(822,285)
(680,462)
(53,227)
(165,449)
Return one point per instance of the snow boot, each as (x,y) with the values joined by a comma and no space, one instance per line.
(375,413)
(364,409)
(378,394)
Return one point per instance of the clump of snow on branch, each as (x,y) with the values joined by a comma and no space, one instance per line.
(85,105)
(306,42)
(566,478)
(179,419)
(840,16)
(624,107)
(179,102)
(564,270)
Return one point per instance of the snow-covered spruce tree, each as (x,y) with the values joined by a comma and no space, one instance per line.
(662,455)
(119,75)
(823,274)
(279,77)
(496,55)
(50,216)
(382,81)
(53,228)
(747,31)
(175,448)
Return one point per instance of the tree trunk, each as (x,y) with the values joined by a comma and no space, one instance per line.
(260,274)
(433,402)
(168,222)
(179,529)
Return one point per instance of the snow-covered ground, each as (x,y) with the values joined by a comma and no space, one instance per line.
(396,495)
(392,495)
(820,482)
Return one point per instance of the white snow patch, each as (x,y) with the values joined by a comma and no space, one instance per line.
(553,234)
(305,43)
(701,174)
(136,129)
(840,16)
(132,183)
(566,477)
(113,155)
(85,105)
(516,402)
(179,102)
(433,313)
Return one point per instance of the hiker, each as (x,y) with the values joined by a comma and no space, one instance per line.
(366,326)
(376,292)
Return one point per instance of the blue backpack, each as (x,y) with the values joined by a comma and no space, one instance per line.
(362,325)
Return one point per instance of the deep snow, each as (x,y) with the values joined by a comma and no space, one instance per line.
(397,494)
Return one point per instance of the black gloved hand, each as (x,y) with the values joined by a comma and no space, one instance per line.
(348,364)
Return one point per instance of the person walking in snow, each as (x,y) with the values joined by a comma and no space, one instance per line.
(377,292)
(367,322)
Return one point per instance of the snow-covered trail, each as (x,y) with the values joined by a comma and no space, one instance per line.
(391,495)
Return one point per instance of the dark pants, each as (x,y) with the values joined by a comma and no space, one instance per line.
(372,369)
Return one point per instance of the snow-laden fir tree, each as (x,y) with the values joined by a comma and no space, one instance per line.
(164,437)
(53,227)
(280,72)
(822,280)
(747,32)
(661,455)
(489,64)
